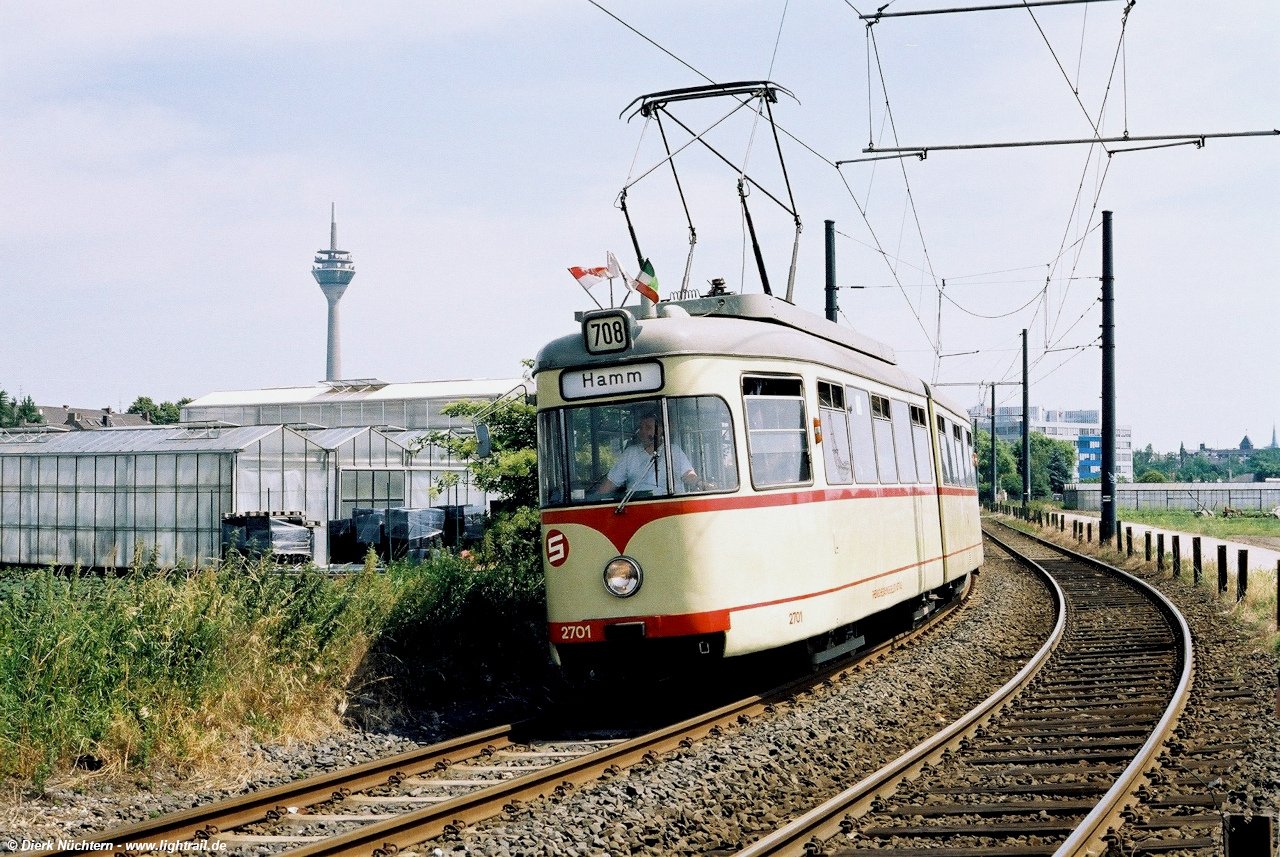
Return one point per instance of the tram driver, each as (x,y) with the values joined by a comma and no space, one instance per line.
(641,466)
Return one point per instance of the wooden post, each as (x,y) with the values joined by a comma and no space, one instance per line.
(1160,551)
(1128,541)
(1148,545)
(1222,568)
(1196,568)
(1177,556)
(1088,529)
(1119,537)
(1242,574)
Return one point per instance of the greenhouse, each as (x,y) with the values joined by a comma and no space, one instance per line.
(331,404)
(103,498)
(98,497)
(380,469)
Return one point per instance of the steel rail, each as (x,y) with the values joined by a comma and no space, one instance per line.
(384,839)
(824,820)
(207,821)
(1087,839)
(204,821)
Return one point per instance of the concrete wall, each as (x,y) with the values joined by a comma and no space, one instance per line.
(1176,495)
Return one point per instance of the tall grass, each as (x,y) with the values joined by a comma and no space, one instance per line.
(118,670)
(168,666)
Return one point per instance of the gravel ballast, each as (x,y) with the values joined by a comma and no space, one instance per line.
(726,791)
(83,803)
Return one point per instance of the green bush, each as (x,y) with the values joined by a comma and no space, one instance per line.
(461,624)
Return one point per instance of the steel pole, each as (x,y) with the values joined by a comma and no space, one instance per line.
(1026,426)
(833,308)
(1107,527)
(995,470)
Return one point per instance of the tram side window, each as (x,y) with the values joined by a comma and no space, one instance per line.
(944,453)
(835,434)
(863,444)
(777,435)
(882,430)
(957,454)
(924,449)
(902,439)
(962,460)
(971,475)
(703,430)
(550,459)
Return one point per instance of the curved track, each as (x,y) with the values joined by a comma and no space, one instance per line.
(378,808)
(1048,764)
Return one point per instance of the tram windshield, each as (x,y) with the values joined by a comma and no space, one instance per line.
(603,453)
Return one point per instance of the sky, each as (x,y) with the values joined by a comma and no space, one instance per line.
(166,173)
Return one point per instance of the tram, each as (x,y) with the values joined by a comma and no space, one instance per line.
(731,474)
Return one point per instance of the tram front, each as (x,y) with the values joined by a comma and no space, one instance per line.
(634,459)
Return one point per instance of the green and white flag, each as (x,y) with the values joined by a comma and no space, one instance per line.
(647,283)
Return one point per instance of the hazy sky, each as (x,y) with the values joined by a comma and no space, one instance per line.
(166,171)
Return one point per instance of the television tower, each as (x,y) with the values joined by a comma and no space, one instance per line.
(333,270)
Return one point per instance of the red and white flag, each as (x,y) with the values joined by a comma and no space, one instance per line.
(588,277)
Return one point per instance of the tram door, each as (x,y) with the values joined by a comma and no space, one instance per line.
(909,476)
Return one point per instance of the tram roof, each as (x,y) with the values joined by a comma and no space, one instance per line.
(742,326)
(754,325)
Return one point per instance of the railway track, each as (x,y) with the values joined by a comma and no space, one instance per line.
(1052,762)
(378,808)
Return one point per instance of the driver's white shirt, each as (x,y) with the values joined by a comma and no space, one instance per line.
(636,469)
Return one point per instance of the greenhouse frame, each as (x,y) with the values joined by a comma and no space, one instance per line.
(111,497)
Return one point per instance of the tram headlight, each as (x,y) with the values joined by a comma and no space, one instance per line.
(622,577)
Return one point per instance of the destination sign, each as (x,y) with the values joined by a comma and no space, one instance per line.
(591,382)
(607,333)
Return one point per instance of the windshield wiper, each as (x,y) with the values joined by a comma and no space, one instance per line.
(653,459)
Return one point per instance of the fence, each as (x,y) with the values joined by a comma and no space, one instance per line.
(1176,495)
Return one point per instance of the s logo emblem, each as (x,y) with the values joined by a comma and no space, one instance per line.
(557,548)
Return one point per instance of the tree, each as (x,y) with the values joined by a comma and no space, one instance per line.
(511,471)
(1061,466)
(1148,459)
(1006,465)
(165,413)
(1153,475)
(1053,464)
(1198,468)
(1265,464)
(14,412)
(513,537)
